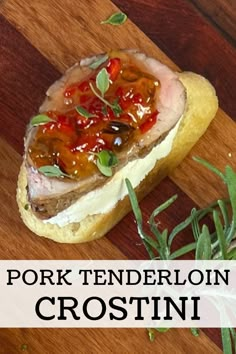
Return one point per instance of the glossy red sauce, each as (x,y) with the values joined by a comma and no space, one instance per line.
(71,140)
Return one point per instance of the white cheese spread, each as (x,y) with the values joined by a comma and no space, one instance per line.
(103,199)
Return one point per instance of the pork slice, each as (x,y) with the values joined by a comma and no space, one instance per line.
(49,196)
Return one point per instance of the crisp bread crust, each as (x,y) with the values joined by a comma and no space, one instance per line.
(202,105)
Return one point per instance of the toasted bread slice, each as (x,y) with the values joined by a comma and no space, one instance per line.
(202,105)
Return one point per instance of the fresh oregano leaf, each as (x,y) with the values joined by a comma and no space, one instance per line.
(40,119)
(116,19)
(102,81)
(52,171)
(115,106)
(98,62)
(105,170)
(106,159)
(83,112)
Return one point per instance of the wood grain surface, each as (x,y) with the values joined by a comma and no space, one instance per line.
(183,33)
(222,13)
(39,40)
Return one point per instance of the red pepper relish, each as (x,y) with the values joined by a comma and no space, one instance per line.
(71,139)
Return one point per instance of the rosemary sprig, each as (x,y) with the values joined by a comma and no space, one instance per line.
(214,245)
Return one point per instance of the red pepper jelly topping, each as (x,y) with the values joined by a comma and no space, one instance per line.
(93,122)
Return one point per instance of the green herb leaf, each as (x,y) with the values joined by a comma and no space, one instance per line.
(116,108)
(224,212)
(226,341)
(100,97)
(40,119)
(232,254)
(230,177)
(134,203)
(24,347)
(105,170)
(195,332)
(203,250)
(102,81)
(161,237)
(151,334)
(84,113)
(220,234)
(208,246)
(104,110)
(195,226)
(179,228)
(233,336)
(138,216)
(151,242)
(183,250)
(52,171)
(99,62)
(106,160)
(162,330)
(26,206)
(116,19)
(210,167)
(159,209)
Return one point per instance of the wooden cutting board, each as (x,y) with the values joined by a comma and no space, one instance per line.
(41,40)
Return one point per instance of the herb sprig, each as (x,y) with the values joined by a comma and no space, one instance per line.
(102,84)
(207,245)
(115,107)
